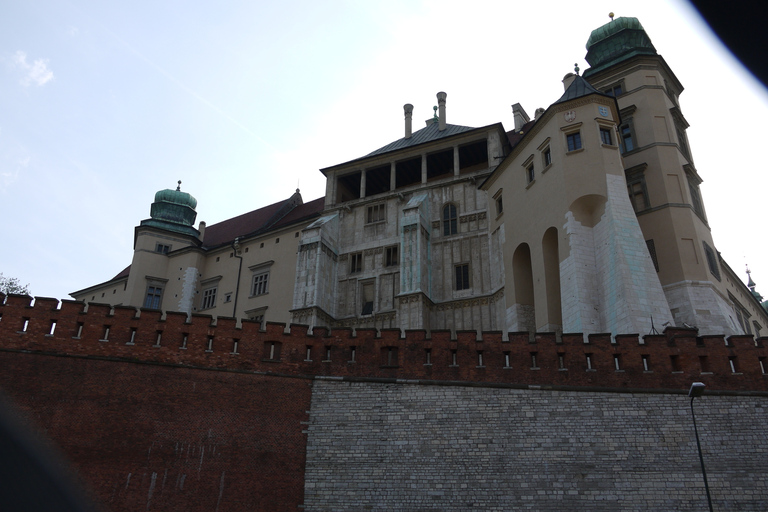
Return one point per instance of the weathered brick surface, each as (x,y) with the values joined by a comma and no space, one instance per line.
(674,358)
(148,437)
(450,448)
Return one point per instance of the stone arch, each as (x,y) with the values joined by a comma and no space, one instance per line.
(588,209)
(551,255)
(522,272)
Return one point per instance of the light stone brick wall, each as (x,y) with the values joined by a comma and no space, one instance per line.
(698,303)
(407,447)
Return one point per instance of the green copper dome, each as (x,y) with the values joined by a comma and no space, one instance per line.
(173,210)
(176,197)
(616,41)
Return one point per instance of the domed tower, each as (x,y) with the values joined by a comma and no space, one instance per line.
(169,234)
(662,180)
(173,210)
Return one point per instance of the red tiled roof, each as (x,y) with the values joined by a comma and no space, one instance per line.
(123,273)
(268,217)
(516,136)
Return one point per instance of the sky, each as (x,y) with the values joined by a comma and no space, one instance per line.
(102,104)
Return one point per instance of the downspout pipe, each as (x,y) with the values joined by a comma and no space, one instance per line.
(236,250)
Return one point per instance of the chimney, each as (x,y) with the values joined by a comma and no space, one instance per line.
(201,229)
(441,110)
(568,80)
(539,112)
(408,108)
(520,116)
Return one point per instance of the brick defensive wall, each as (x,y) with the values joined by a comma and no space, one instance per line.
(670,361)
(164,412)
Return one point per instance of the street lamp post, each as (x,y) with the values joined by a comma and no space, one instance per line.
(697,389)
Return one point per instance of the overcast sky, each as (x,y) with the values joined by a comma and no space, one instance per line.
(104,103)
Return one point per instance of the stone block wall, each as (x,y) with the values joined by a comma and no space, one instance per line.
(385,447)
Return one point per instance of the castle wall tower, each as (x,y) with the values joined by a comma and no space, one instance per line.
(662,180)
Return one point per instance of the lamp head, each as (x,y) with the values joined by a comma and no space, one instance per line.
(697,389)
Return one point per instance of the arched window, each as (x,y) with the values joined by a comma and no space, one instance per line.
(449,220)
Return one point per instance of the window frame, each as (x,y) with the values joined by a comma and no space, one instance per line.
(208,299)
(605,136)
(392,256)
(355,262)
(463,281)
(157,286)
(260,272)
(636,176)
(711,257)
(376,213)
(450,219)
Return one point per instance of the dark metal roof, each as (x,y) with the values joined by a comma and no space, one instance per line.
(578,88)
(427,134)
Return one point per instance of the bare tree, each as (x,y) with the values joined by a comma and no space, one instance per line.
(10,285)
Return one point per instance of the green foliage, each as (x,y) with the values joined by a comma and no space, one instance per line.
(10,285)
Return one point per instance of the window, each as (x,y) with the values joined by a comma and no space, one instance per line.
(260,284)
(574,141)
(638,193)
(646,362)
(499,205)
(462,276)
(742,315)
(154,297)
(162,248)
(366,293)
(605,136)
(614,90)
(712,261)
(428,357)
(693,186)
(547,157)
(256,315)
(376,213)
(652,251)
(627,142)
(355,262)
(209,298)
(529,173)
(450,226)
(391,256)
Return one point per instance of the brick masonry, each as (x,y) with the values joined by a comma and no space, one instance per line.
(165,412)
(387,447)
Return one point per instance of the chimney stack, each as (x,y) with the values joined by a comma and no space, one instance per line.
(201,229)
(568,80)
(521,117)
(441,110)
(408,108)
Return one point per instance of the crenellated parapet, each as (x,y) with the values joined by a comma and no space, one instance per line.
(671,360)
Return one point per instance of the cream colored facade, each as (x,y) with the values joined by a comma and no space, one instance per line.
(204,271)
(586,219)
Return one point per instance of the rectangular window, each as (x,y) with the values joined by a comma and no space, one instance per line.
(652,251)
(366,292)
(561,360)
(454,357)
(352,354)
(235,343)
(391,256)
(533,360)
(154,296)
(589,362)
(732,364)
(376,213)
(627,143)
(499,205)
(614,90)
(308,357)
(617,362)
(480,358)
(605,136)
(507,360)
(547,155)
(529,173)
(693,186)
(712,260)
(428,356)
(574,141)
(162,248)
(260,284)
(646,363)
(209,298)
(763,365)
(462,276)
(355,262)
(159,338)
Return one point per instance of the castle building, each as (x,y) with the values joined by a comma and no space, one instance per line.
(587,218)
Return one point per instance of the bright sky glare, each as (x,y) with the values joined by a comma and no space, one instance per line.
(103,104)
